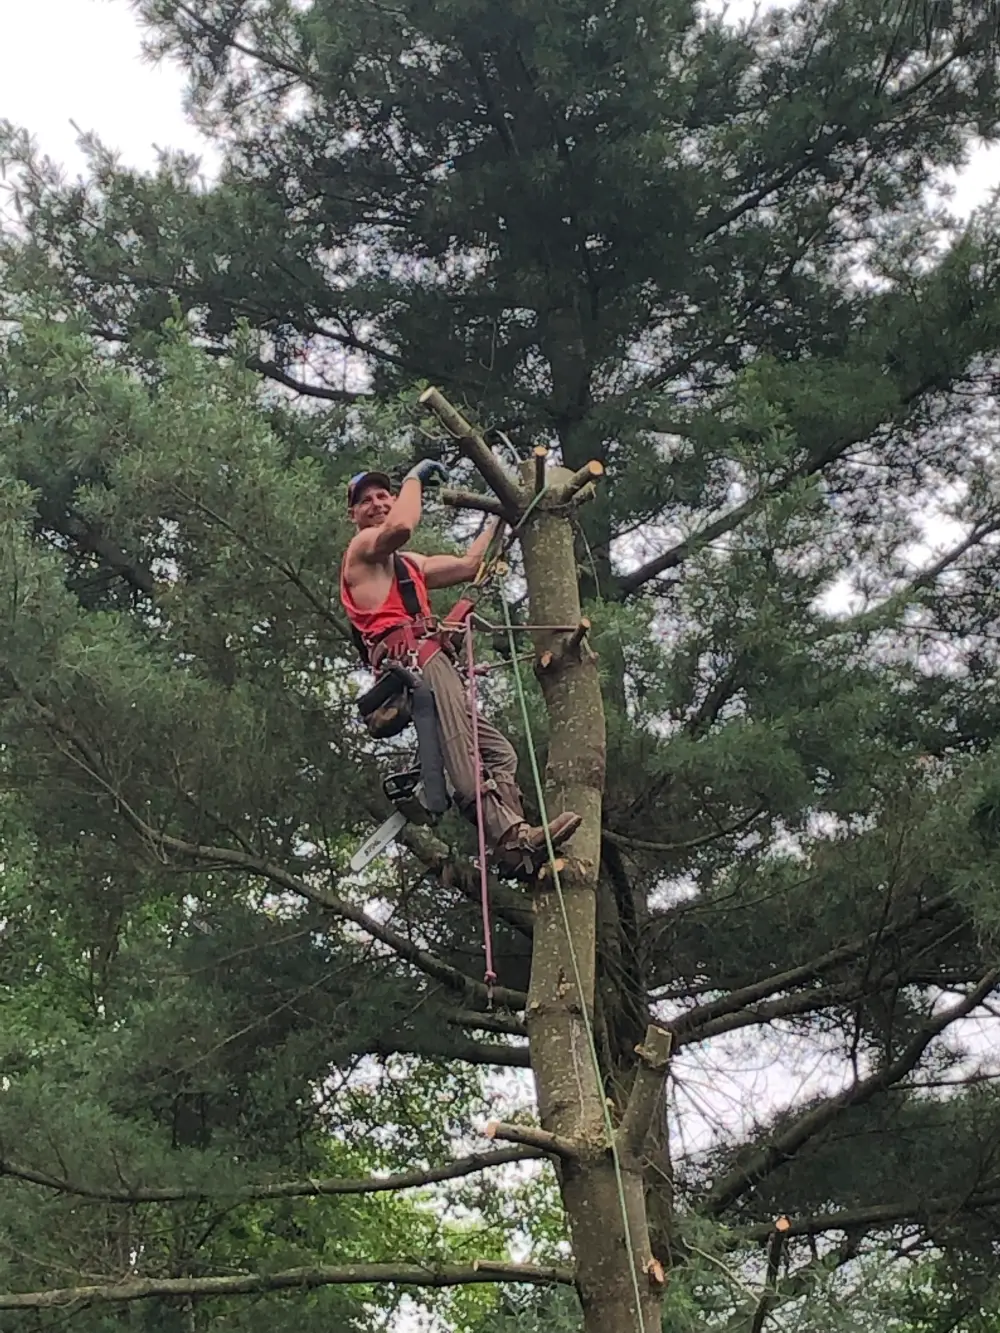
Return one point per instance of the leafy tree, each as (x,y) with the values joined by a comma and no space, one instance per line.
(701,254)
(198,1078)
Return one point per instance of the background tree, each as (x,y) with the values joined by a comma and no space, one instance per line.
(700,253)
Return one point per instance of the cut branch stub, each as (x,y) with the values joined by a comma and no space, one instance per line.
(540,453)
(485,504)
(529,1136)
(574,647)
(550,869)
(575,641)
(654,1058)
(475,448)
(656,1273)
(775,1243)
(576,482)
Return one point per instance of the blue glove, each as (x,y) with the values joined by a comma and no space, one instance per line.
(429,472)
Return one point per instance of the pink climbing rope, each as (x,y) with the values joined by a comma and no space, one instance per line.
(484,877)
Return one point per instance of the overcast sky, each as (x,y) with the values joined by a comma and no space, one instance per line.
(79,61)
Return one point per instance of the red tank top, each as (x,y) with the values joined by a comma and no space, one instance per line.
(392,612)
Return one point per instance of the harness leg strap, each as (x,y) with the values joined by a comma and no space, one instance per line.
(432,774)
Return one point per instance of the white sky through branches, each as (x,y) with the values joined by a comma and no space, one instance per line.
(72,66)
(80,61)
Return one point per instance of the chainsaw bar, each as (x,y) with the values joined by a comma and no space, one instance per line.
(378,842)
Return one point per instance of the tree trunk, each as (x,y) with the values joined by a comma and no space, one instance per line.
(561,994)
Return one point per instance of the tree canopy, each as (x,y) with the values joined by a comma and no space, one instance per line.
(707,254)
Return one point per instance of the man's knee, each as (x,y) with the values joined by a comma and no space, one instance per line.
(459,769)
(498,754)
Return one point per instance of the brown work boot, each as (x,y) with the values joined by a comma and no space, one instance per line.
(526,849)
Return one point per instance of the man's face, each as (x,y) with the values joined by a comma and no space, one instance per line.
(371,507)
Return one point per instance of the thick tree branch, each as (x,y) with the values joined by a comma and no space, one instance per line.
(227,36)
(691,1025)
(873,618)
(533,1137)
(654,1058)
(484,504)
(717,696)
(879,1215)
(477,451)
(284,1189)
(455,872)
(234,859)
(270,370)
(788,1006)
(292,1279)
(446,1048)
(820,151)
(785,1145)
(676,555)
(811,464)
(471,1018)
(88,539)
(642,845)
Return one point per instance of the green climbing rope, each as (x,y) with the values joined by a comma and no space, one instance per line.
(592,1045)
(527,513)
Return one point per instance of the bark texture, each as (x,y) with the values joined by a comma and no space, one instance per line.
(563,972)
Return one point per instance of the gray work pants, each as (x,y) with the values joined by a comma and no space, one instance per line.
(502,809)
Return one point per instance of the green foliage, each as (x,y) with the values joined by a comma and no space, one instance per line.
(701,252)
(162,1028)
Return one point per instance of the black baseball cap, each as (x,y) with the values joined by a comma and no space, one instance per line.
(363,479)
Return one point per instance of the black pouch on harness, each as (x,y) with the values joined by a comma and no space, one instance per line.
(387,708)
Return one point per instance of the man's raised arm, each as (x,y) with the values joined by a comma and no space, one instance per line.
(444,571)
(404,515)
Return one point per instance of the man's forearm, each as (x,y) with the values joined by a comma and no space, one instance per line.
(402,518)
(405,512)
(477,550)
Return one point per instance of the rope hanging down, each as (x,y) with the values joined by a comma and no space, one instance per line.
(463,617)
(484,877)
(490,565)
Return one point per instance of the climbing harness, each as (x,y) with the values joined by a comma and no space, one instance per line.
(408,596)
(400,697)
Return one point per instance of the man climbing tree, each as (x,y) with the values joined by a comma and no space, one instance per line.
(699,252)
(384,593)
